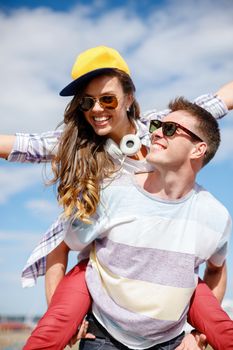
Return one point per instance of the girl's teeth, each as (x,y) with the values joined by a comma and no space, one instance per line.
(101,119)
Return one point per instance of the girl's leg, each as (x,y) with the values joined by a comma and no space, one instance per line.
(207,316)
(69,305)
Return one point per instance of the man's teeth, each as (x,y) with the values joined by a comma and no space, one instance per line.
(101,119)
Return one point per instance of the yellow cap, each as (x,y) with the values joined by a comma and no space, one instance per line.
(91,62)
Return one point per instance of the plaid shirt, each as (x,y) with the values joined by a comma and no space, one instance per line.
(36,148)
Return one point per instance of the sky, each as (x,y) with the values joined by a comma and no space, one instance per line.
(172,47)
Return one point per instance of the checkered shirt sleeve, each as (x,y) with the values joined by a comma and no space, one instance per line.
(36,264)
(35,148)
(210,102)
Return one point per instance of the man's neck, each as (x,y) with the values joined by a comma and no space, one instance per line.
(169,185)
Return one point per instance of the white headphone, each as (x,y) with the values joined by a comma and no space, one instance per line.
(130,144)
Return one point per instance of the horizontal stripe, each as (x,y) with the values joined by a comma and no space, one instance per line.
(152,300)
(179,235)
(147,264)
(125,324)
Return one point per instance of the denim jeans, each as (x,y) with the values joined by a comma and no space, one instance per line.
(104,341)
(107,344)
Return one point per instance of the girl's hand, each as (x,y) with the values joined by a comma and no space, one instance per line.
(82,333)
(193,341)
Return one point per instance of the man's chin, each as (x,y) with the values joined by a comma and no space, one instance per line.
(151,159)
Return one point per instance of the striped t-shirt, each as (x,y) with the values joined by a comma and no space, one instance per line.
(144,262)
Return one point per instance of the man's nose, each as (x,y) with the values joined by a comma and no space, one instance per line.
(157,134)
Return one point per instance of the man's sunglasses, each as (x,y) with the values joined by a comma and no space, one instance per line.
(169,128)
(106,101)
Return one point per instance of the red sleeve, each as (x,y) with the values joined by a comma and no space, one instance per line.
(207,316)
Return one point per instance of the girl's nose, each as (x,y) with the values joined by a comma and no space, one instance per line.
(97,106)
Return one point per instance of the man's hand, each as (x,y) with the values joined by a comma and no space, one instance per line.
(193,341)
(82,333)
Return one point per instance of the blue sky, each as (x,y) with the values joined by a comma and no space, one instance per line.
(172,47)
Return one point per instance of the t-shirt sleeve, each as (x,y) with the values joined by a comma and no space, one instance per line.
(80,235)
(220,253)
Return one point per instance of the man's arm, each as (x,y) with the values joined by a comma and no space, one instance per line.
(216,278)
(56,264)
(6,145)
(225,93)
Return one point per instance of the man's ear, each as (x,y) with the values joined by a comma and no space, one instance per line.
(199,150)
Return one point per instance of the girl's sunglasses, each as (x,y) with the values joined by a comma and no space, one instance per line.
(106,101)
(169,128)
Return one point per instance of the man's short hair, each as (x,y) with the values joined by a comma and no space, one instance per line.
(207,126)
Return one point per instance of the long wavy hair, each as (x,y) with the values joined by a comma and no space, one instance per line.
(81,162)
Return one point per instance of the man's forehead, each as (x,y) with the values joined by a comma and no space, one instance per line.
(177,116)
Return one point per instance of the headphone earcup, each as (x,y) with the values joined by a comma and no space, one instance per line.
(113,149)
(130,144)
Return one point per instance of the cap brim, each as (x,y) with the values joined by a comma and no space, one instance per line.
(72,88)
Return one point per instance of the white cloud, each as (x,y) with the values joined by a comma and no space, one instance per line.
(19,236)
(18,244)
(186,52)
(42,207)
(38,50)
(10,278)
(226,148)
(176,50)
(16,180)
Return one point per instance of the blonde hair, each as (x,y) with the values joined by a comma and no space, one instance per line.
(81,162)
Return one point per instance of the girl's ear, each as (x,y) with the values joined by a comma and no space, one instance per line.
(130,99)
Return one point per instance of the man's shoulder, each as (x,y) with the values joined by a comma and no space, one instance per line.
(118,179)
(210,205)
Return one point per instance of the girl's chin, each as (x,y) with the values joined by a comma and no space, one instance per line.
(102,131)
